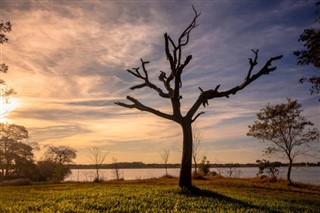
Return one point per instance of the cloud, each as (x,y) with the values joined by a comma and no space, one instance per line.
(67,62)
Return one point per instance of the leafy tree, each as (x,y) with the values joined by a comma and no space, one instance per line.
(311,54)
(97,157)
(270,168)
(172,83)
(16,151)
(46,170)
(285,130)
(5,90)
(204,166)
(59,156)
(5,27)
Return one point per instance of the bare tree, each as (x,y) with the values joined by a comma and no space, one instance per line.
(172,82)
(165,157)
(97,157)
(232,170)
(116,169)
(197,136)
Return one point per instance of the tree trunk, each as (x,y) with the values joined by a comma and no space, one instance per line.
(289,171)
(195,165)
(185,180)
(97,173)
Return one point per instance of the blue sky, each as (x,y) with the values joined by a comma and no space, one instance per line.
(67,62)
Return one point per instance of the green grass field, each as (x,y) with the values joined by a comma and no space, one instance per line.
(161,195)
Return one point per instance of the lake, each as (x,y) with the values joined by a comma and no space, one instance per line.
(300,174)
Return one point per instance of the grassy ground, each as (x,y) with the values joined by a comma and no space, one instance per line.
(161,195)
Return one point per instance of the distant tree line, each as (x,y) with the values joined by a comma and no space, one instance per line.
(141,165)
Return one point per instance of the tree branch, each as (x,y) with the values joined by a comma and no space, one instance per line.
(138,105)
(135,72)
(195,118)
(211,94)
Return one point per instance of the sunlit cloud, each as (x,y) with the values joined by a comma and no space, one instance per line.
(68,60)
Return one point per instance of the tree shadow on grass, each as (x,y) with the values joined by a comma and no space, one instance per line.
(197,192)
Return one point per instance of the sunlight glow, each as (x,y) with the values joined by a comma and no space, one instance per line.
(6,106)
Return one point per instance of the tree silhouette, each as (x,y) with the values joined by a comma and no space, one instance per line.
(4,28)
(285,131)
(172,83)
(60,156)
(311,54)
(5,90)
(16,151)
(197,136)
(165,157)
(97,157)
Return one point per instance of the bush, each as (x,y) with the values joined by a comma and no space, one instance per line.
(98,180)
(268,168)
(204,166)
(16,182)
(198,176)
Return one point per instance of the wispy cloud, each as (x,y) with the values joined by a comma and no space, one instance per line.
(67,62)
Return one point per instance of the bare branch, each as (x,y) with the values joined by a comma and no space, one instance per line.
(135,72)
(195,118)
(211,94)
(252,63)
(186,33)
(138,105)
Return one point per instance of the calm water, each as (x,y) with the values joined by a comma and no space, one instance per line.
(300,174)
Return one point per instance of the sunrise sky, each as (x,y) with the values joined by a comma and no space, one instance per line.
(67,62)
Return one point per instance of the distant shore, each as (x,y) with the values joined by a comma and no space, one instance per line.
(141,165)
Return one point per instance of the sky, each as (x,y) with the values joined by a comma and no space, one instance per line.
(68,60)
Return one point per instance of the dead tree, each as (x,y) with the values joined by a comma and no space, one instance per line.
(165,157)
(172,84)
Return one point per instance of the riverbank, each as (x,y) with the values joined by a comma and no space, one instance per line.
(162,195)
(308,175)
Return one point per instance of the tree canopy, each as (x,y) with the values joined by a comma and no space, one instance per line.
(16,151)
(310,54)
(285,131)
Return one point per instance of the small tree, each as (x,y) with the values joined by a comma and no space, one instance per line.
(165,157)
(232,170)
(116,169)
(172,83)
(196,146)
(285,131)
(270,168)
(60,156)
(204,166)
(97,157)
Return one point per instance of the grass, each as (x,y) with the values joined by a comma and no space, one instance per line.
(162,195)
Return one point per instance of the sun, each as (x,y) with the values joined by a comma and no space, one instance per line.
(6,107)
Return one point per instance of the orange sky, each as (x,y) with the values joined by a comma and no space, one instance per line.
(67,62)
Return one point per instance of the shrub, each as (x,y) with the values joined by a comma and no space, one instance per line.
(198,176)
(204,166)
(268,168)
(16,182)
